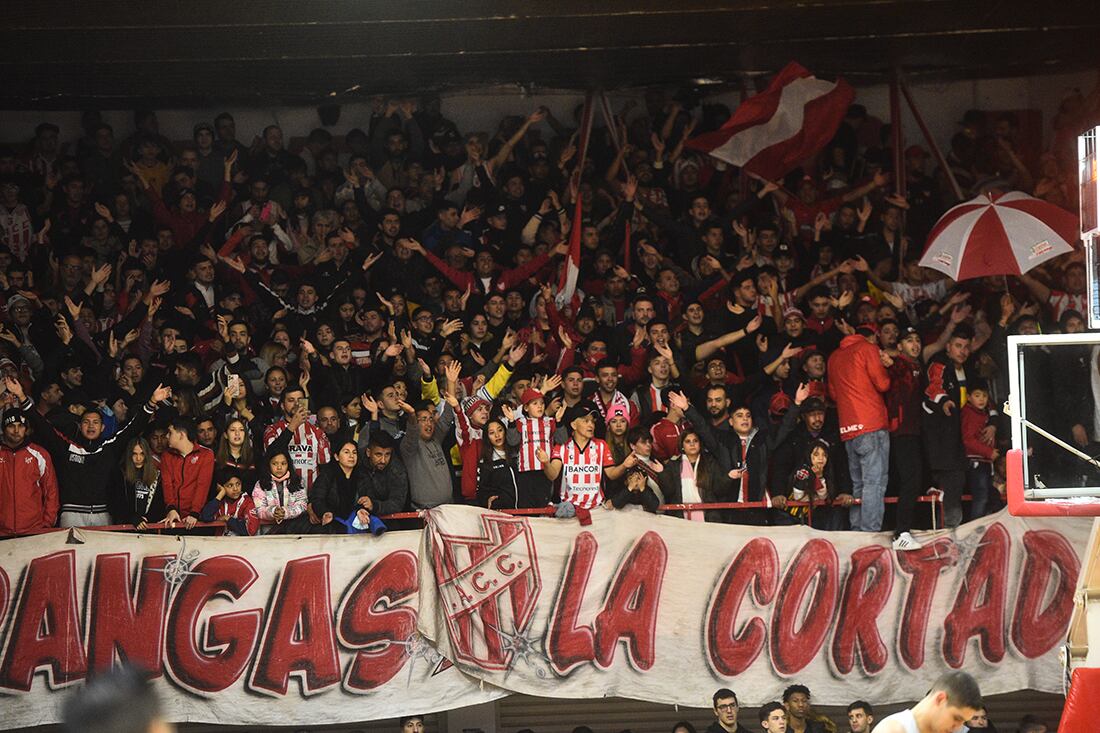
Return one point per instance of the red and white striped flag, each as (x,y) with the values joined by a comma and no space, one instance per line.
(567,286)
(773,132)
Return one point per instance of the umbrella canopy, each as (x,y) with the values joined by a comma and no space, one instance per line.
(1005,234)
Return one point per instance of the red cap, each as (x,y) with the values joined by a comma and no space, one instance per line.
(530,395)
(780,403)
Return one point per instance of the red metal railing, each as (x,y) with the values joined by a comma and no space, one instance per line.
(157,527)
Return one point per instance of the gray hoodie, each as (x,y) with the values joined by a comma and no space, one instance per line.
(427,463)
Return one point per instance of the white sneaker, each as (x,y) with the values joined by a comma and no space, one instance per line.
(905,542)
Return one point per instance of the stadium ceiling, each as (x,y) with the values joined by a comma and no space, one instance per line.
(66,54)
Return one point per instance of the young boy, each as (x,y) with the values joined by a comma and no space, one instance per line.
(533,431)
(773,717)
(978,435)
(231,505)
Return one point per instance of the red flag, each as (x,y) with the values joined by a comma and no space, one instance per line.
(773,132)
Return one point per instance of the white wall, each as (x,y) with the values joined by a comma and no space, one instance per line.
(941,104)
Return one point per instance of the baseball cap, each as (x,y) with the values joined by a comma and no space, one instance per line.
(784,250)
(16,299)
(530,395)
(793,312)
(14,416)
(908,332)
(585,411)
(779,403)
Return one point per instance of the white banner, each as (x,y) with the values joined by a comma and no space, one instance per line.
(238,631)
(660,609)
(322,630)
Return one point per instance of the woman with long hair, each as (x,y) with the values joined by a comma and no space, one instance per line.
(141,490)
(813,481)
(235,450)
(278,496)
(695,477)
(496,471)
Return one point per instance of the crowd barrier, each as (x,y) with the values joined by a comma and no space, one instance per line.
(157,527)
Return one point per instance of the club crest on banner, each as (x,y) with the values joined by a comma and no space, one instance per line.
(489,585)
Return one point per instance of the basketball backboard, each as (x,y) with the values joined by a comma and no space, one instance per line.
(1054,385)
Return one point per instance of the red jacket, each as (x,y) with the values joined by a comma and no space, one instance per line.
(28,488)
(973,422)
(905,397)
(185,480)
(857,380)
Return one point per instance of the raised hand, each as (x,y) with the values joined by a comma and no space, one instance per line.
(104,212)
(679,401)
(516,353)
(63,331)
(563,337)
(370,405)
(754,324)
(160,394)
(452,371)
(217,210)
(73,308)
(15,388)
(550,383)
(234,263)
(802,393)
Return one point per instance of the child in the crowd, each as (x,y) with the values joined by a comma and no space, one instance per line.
(644,448)
(279,497)
(813,481)
(979,435)
(230,505)
(533,430)
(635,490)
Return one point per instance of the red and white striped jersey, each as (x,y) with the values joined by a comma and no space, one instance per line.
(309,449)
(534,433)
(1060,302)
(582,471)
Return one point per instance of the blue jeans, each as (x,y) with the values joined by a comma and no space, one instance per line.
(869,465)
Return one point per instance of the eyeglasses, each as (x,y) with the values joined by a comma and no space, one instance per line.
(727,707)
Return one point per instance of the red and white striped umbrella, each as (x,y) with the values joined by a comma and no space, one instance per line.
(1006,234)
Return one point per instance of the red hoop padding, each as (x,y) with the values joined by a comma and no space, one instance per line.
(1079,715)
(1018,506)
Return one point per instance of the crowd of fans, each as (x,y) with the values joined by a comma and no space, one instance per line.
(307,337)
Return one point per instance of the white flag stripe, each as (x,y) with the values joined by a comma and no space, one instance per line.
(787,122)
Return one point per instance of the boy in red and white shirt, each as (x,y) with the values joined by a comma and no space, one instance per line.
(533,431)
(583,462)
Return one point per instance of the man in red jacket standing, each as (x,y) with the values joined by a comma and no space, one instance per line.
(186,470)
(857,378)
(28,485)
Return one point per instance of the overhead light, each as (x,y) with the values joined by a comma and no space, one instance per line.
(703,81)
